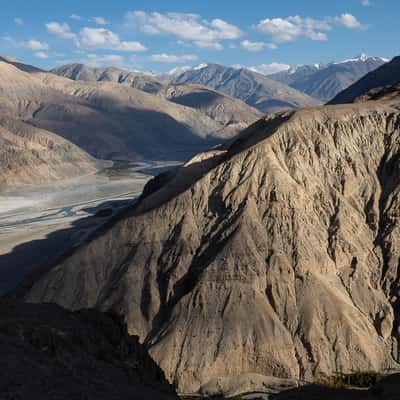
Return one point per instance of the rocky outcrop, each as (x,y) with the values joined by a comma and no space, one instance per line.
(275,255)
(51,353)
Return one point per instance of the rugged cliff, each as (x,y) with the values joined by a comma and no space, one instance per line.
(276,255)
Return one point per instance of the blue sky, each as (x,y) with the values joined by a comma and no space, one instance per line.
(160,35)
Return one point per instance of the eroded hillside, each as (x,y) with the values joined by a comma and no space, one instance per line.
(277,254)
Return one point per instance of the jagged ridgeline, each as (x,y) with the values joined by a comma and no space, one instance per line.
(274,256)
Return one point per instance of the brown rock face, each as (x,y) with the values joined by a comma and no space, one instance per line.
(277,255)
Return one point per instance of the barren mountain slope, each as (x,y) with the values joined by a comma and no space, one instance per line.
(106,119)
(233,115)
(387,75)
(255,89)
(50,353)
(32,156)
(277,256)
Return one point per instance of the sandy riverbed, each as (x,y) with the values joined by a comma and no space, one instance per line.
(39,224)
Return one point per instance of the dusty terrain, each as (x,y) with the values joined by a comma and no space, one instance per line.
(251,255)
(52,127)
(39,224)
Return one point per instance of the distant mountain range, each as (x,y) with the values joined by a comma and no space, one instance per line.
(255,89)
(321,82)
(138,80)
(81,121)
(325,81)
(386,75)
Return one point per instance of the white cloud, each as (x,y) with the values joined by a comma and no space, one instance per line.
(76,17)
(19,21)
(100,20)
(269,69)
(189,27)
(265,69)
(100,38)
(292,28)
(170,58)
(365,3)
(35,45)
(61,30)
(209,45)
(41,54)
(252,46)
(348,21)
(114,60)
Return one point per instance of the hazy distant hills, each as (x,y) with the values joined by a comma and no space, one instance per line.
(255,89)
(325,81)
(250,256)
(387,75)
(108,120)
(137,80)
(231,114)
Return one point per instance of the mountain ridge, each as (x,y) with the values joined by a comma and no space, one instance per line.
(295,219)
(325,81)
(255,89)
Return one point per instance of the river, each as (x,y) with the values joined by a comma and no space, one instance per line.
(39,224)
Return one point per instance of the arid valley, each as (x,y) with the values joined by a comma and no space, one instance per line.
(200,201)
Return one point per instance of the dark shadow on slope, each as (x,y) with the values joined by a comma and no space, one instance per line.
(51,353)
(387,389)
(27,261)
(158,191)
(197,99)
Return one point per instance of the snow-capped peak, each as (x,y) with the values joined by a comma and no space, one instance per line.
(200,66)
(362,58)
(178,70)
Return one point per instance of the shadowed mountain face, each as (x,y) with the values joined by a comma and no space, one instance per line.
(255,89)
(387,75)
(324,82)
(50,353)
(388,389)
(32,156)
(250,256)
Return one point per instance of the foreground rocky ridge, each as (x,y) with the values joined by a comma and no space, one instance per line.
(252,255)
(50,353)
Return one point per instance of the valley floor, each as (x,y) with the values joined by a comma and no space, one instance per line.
(38,224)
